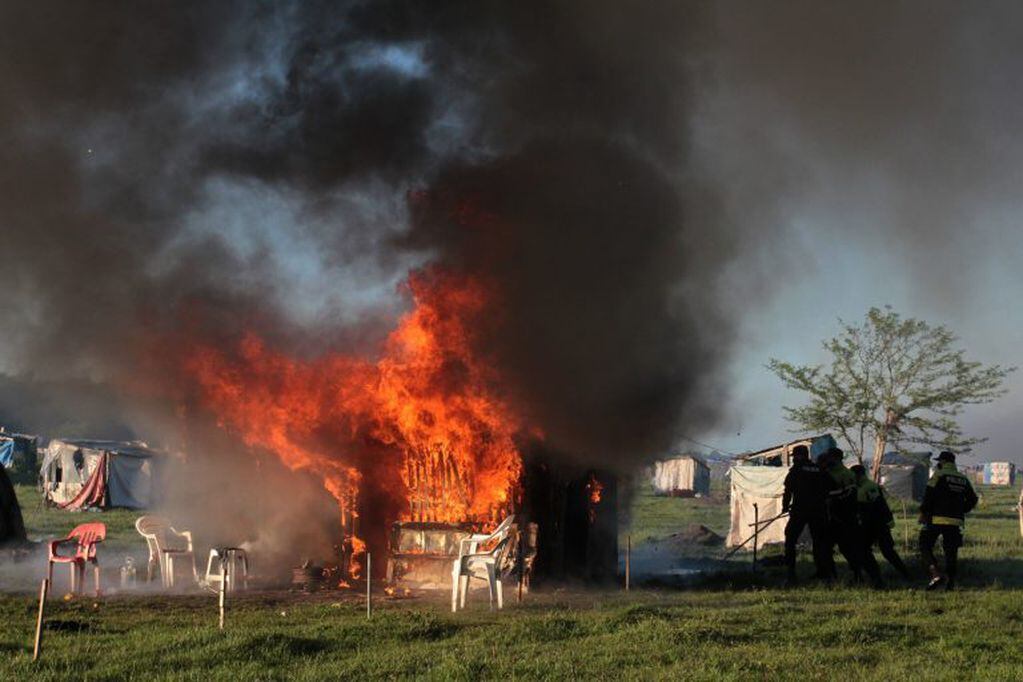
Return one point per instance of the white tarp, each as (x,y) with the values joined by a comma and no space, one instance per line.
(65,469)
(764,486)
(681,474)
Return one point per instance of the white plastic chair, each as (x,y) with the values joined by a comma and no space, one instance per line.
(485,565)
(222,567)
(165,546)
(472,543)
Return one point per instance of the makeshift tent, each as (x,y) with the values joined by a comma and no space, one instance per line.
(81,474)
(759,478)
(681,475)
(1000,473)
(12,527)
(762,486)
(904,474)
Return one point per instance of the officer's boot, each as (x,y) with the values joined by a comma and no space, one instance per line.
(936,578)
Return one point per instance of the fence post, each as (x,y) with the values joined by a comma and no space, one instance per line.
(756,532)
(628,561)
(905,529)
(38,645)
(369,585)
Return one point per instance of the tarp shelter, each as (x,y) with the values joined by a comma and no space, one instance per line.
(904,474)
(759,478)
(686,474)
(81,474)
(12,527)
(1000,473)
(18,451)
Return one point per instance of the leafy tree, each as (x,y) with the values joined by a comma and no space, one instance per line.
(891,380)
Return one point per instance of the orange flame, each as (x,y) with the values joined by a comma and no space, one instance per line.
(594,489)
(429,400)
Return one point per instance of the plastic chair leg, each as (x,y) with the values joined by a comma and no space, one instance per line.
(95,568)
(456,580)
(499,588)
(463,588)
(490,584)
(209,568)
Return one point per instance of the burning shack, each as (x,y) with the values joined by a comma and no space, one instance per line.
(419,446)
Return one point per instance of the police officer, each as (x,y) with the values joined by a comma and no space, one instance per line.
(806,491)
(843,524)
(876,520)
(949,498)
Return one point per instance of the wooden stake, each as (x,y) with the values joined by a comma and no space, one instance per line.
(222,599)
(38,646)
(369,585)
(521,559)
(628,561)
(756,532)
(1020,512)
(905,529)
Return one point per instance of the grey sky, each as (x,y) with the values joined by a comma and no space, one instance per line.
(885,137)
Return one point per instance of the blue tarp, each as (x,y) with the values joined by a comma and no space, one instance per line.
(820,445)
(6,453)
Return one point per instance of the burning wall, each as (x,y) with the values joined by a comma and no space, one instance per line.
(421,433)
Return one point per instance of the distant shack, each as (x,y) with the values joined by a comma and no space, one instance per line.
(683,476)
(1000,473)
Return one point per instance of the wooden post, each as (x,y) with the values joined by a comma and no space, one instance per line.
(522,556)
(756,532)
(369,585)
(905,529)
(628,561)
(222,599)
(1020,506)
(37,647)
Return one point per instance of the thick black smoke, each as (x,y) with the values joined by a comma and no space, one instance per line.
(125,126)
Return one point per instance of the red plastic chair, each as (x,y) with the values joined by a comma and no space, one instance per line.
(85,538)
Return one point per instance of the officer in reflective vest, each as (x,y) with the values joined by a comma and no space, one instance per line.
(843,522)
(949,498)
(876,520)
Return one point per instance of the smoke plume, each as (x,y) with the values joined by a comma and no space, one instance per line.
(206,167)
(621,175)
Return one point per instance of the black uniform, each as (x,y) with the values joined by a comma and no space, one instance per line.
(876,521)
(948,499)
(806,491)
(844,523)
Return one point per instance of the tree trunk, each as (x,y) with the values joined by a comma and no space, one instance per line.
(880,443)
(891,424)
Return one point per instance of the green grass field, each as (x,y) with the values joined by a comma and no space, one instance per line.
(737,626)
